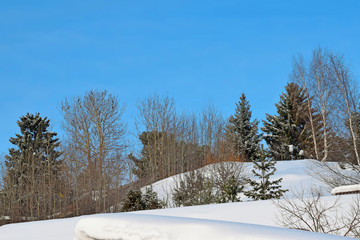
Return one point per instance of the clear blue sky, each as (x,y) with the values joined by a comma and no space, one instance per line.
(198,52)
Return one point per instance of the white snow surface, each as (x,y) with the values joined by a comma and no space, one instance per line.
(294,175)
(242,220)
(152,227)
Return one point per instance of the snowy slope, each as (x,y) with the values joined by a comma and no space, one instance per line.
(217,221)
(294,174)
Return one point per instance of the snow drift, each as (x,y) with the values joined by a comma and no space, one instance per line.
(150,227)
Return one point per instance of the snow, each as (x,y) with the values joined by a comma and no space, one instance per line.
(151,227)
(346,189)
(291,148)
(253,220)
(294,174)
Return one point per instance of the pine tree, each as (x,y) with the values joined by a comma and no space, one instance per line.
(263,170)
(32,180)
(288,134)
(242,133)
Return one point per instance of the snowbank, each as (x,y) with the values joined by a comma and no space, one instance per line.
(150,227)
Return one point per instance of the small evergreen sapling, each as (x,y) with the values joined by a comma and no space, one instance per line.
(264,189)
(151,200)
(195,188)
(135,200)
(231,190)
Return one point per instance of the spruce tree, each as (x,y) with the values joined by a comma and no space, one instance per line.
(263,188)
(242,133)
(32,180)
(288,134)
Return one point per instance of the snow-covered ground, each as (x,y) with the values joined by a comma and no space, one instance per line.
(243,220)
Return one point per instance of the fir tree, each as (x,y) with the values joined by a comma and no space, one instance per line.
(263,170)
(32,180)
(242,133)
(288,134)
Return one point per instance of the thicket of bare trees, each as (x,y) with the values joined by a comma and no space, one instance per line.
(307,211)
(173,142)
(94,150)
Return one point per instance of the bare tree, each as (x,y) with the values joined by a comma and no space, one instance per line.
(348,99)
(157,121)
(95,131)
(300,77)
(330,89)
(323,89)
(212,133)
(335,174)
(310,213)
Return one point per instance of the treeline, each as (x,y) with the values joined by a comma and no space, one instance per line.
(92,167)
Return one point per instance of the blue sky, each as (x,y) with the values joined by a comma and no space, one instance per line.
(198,52)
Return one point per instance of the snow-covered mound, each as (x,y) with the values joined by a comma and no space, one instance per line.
(294,174)
(150,227)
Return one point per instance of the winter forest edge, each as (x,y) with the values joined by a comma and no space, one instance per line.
(94,169)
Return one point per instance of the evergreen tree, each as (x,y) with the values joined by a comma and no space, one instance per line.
(135,200)
(151,200)
(263,170)
(288,134)
(140,167)
(194,188)
(242,133)
(155,153)
(230,191)
(32,180)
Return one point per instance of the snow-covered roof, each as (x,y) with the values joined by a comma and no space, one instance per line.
(346,189)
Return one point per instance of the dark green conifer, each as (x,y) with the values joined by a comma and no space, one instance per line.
(242,133)
(32,181)
(288,133)
(263,188)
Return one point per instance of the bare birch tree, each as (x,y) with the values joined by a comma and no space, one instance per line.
(330,89)
(299,75)
(323,89)
(348,99)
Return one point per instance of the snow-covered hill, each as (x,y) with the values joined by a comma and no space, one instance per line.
(216,221)
(294,174)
